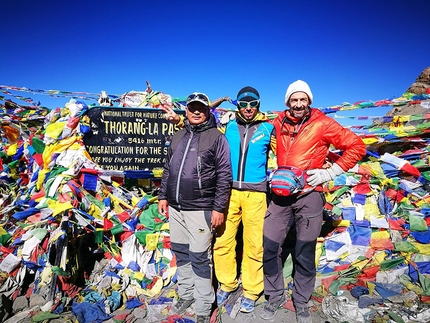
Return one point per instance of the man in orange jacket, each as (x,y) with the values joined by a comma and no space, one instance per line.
(304,136)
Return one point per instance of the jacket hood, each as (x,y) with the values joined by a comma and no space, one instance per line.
(259,117)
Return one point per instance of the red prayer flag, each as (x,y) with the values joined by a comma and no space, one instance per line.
(107,224)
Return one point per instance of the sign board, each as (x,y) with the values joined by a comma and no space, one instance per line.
(128,138)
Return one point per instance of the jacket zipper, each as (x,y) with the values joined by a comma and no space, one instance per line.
(199,167)
(292,140)
(242,157)
(181,167)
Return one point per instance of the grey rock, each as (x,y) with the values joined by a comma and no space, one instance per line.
(37,300)
(20,303)
(140,321)
(139,313)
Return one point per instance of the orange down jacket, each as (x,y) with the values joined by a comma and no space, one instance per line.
(305,144)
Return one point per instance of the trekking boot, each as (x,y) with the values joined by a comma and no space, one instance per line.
(203,319)
(271,308)
(221,297)
(303,315)
(181,306)
(247,305)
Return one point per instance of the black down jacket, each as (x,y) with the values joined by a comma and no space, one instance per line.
(197,173)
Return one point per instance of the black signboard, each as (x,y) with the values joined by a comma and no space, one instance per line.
(128,138)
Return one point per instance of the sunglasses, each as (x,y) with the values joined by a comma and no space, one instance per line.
(201,109)
(198,96)
(243,104)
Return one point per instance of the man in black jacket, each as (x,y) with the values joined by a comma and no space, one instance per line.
(195,188)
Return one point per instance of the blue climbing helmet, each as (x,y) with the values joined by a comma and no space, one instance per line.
(287,180)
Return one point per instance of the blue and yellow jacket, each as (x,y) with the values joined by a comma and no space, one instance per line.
(250,143)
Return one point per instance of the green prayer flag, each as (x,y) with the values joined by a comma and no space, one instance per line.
(337,210)
(56,171)
(117,229)
(147,217)
(340,191)
(60,272)
(391,263)
(5,238)
(37,145)
(288,267)
(334,287)
(141,236)
(44,317)
(157,226)
(98,236)
(417,223)
(404,246)
(96,202)
(426,175)
(425,284)
(13,164)
(39,233)
(395,317)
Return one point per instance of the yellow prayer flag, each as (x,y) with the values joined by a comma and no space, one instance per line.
(422,248)
(371,286)
(371,209)
(341,223)
(95,212)
(369,141)
(171,272)
(318,252)
(165,227)
(134,200)
(401,119)
(152,241)
(127,272)
(55,129)
(347,202)
(376,169)
(120,202)
(380,235)
(116,286)
(158,254)
(11,150)
(379,257)
(360,264)
(41,178)
(46,276)
(138,276)
(58,207)
(329,197)
(2,231)
(172,294)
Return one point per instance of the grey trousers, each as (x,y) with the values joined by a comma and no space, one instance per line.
(191,240)
(306,214)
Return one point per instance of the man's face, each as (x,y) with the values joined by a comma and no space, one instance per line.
(298,104)
(197,113)
(248,110)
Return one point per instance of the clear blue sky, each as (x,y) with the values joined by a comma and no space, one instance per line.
(347,51)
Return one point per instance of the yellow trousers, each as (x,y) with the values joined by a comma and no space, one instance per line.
(250,208)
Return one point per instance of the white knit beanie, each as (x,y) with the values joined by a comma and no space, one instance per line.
(298,86)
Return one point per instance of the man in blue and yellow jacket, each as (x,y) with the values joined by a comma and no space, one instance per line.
(250,139)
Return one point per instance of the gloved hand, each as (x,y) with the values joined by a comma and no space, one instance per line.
(320,176)
(227,117)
